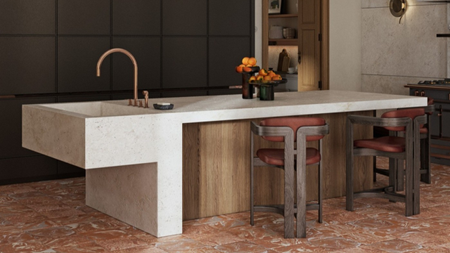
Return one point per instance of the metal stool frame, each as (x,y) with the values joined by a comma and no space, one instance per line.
(425,165)
(288,210)
(410,155)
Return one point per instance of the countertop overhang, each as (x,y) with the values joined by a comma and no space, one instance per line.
(233,107)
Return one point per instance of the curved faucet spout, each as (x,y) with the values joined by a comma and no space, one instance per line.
(121,50)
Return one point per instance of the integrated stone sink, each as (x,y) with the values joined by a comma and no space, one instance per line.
(96,109)
(91,134)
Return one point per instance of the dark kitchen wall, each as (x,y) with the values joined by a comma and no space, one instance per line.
(49,50)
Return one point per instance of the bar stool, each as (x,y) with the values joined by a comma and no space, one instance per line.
(396,148)
(425,137)
(289,130)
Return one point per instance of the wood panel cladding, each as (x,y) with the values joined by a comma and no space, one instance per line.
(216,167)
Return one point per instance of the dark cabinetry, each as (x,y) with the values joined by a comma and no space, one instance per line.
(49,50)
(440,120)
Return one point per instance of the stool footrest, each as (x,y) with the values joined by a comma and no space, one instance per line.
(382,171)
(384,193)
(280,208)
(270,208)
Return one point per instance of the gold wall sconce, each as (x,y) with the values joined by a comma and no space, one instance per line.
(398,8)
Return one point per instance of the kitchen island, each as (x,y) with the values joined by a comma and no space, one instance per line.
(150,168)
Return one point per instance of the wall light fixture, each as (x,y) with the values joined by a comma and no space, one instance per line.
(398,8)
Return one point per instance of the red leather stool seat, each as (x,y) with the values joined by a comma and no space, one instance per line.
(276,156)
(387,144)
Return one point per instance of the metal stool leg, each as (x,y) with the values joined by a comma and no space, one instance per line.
(252,221)
(349,166)
(320,196)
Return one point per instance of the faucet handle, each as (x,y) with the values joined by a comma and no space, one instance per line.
(146,98)
(129,102)
(140,103)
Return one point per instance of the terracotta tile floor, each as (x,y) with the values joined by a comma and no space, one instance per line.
(51,216)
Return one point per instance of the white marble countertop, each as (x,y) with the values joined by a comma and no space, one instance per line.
(233,107)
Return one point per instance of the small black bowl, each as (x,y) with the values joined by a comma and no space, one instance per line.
(163,107)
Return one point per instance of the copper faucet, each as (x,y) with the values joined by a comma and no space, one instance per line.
(120,50)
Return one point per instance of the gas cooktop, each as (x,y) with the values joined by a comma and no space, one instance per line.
(445,81)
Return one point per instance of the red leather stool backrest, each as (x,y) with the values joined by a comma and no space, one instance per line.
(412,113)
(295,123)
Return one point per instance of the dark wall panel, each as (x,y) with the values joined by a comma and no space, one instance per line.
(224,54)
(184,62)
(77,63)
(238,23)
(130,95)
(148,57)
(184,17)
(26,167)
(83,98)
(23,68)
(27,17)
(84,17)
(224,91)
(183,93)
(136,17)
(11,126)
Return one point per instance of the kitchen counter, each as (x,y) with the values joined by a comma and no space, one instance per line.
(137,159)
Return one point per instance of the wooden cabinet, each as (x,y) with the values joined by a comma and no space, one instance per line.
(309,50)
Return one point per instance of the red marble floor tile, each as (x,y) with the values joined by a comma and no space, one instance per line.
(40,200)
(121,243)
(395,245)
(22,247)
(106,235)
(145,249)
(424,239)
(26,195)
(376,225)
(218,238)
(15,238)
(67,241)
(16,188)
(152,240)
(242,246)
(198,230)
(82,247)
(74,221)
(182,244)
(342,217)
(358,250)
(61,213)
(367,236)
(47,235)
(51,207)
(6,200)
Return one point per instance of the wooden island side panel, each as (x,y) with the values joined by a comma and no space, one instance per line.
(216,167)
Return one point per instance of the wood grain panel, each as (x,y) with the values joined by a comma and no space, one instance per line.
(325,45)
(216,167)
(191,171)
(309,46)
(308,16)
